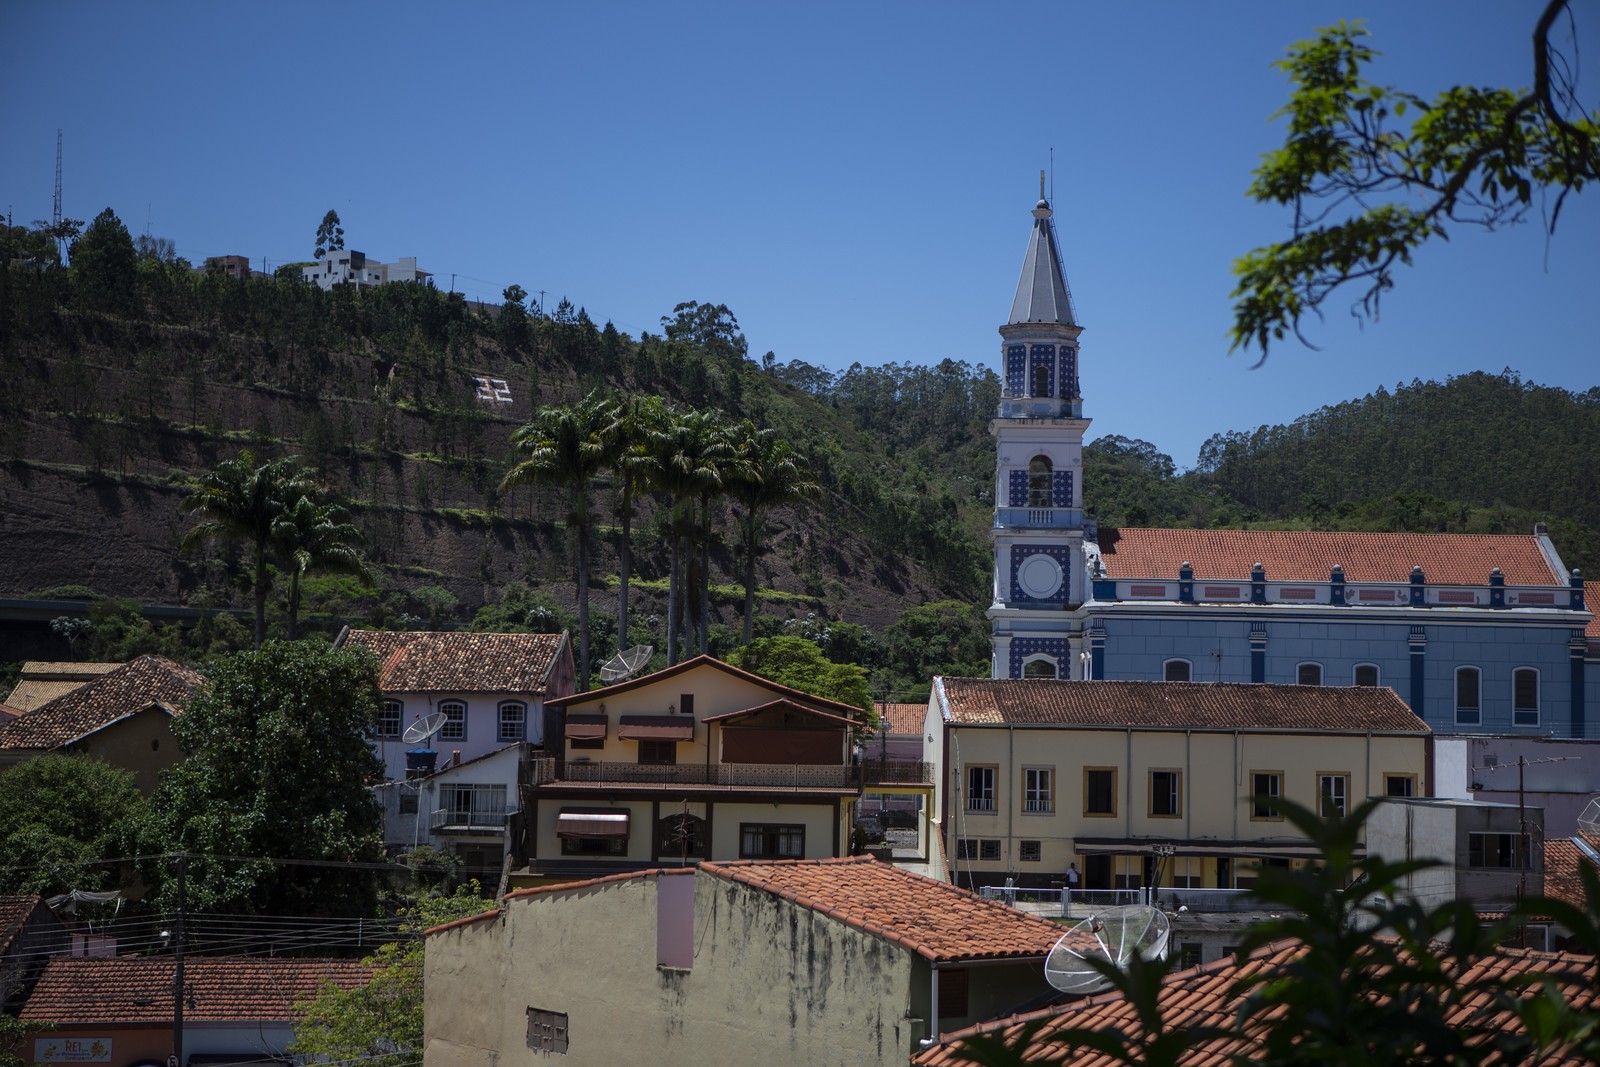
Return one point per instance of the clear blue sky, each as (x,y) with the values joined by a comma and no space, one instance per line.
(852,179)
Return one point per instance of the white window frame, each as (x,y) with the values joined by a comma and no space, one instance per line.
(391,716)
(1038,790)
(1377,673)
(1040,657)
(1517,711)
(1301,666)
(974,801)
(1468,716)
(522,723)
(455,726)
(1339,796)
(1167,665)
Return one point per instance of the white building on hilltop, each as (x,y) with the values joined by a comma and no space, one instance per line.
(345,266)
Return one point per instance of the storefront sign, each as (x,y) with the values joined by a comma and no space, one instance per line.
(72,1050)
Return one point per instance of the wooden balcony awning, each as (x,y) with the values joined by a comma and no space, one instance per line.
(573,822)
(656,728)
(586,727)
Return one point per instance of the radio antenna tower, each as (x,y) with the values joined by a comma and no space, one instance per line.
(55,210)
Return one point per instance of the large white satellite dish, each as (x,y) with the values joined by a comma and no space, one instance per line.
(625,665)
(1114,935)
(1589,821)
(424,728)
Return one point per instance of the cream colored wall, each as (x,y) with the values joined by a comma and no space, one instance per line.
(770,983)
(641,828)
(818,819)
(141,743)
(715,693)
(1215,769)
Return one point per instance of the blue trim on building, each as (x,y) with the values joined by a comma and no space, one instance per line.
(1258,652)
(1097,653)
(1023,647)
(1579,647)
(1062,554)
(1418,644)
(1336,586)
(1497,589)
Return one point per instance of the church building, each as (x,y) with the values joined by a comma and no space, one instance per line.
(1479,634)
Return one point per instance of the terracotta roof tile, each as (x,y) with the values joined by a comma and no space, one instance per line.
(596,695)
(14,911)
(1309,555)
(460,662)
(933,919)
(130,688)
(903,718)
(1562,860)
(1203,997)
(42,681)
(129,989)
(1187,705)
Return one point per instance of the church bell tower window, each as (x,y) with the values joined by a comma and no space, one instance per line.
(1040,483)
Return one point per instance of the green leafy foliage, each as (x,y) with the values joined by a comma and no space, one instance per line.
(276,766)
(14,1037)
(61,818)
(800,664)
(1373,173)
(105,263)
(947,637)
(380,1023)
(330,235)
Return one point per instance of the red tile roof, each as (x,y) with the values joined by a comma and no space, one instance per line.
(130,989)
(1183,705)
(44,680)
(596,695)
(903,718)
(1309,555)
(936,920)
(786,706)
(1562,860)
(1202,997)
(14,911)
(133,687)
(459,662)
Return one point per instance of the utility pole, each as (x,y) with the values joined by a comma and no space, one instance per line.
(177,976)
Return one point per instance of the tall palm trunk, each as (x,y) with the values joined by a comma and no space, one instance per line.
(750,531)
(294,605)
(674,595)
(261,594)
(705,572)
(624,567)
(581,521)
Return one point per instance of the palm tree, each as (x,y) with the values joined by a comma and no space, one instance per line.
(689,451)
(239,502)
(764,476)
(636,420)
(566,446)
(312,535)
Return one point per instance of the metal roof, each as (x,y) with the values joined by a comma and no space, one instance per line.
(1042,290)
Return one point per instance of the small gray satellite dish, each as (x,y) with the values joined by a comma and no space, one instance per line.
(1114,935)
(625,665)
(424,728)
(1589,821)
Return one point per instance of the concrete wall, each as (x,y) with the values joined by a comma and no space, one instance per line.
(142,743)
(769,982)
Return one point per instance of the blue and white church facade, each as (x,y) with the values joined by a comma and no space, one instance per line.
(1480,634)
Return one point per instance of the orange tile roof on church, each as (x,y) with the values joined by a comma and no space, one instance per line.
(1050,702)
(1310,555)
(1203,998)
(936,920)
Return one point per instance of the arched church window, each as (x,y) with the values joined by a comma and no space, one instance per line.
(1039,668)
(1039,478)
(1041,380)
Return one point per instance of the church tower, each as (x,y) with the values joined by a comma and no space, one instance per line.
(1039,570)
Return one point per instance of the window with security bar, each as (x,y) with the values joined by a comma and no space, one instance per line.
(1038,790)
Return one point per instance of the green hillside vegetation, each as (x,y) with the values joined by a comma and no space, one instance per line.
(130,375)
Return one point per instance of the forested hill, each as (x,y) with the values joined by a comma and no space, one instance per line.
(129,374)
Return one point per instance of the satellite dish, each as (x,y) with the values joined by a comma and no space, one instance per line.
(625,665)
(424,728)
(1589,821)
(1115,935)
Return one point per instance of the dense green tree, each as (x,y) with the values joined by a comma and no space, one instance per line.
(105,264)
(309,536)
(689,458)
(800,664)
(61,818)
(277,768)
(765,474)
(1373,173)
(565,446)
(380,1023)
(330,235)
(240,501)
(708,327)
(948,637)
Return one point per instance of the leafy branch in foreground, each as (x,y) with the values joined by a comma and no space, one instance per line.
(1368,191)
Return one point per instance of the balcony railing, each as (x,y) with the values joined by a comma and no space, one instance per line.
(794,777)
(1039,518)
(448,819)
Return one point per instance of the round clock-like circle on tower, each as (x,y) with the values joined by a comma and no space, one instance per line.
(1039,576)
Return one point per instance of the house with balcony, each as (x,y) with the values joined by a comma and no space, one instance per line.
(471,810)
(346,266)
(700,761)
(490,688)
(1162,785)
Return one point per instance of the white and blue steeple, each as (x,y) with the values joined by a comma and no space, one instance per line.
(1039,572)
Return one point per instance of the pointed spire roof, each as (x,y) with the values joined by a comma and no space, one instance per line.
(1042,294)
